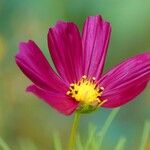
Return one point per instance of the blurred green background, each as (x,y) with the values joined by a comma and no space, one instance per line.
(24,118)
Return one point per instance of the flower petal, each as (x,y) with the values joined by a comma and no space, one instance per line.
(126,80)
(34,65)
(65,47)
(95,39)
(60,102)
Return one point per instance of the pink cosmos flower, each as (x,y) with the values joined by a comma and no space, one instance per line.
(79,61)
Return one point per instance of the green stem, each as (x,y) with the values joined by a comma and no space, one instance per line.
(73,131)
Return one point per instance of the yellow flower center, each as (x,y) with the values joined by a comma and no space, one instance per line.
(87,92)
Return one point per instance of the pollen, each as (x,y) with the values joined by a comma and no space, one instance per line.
(86,91)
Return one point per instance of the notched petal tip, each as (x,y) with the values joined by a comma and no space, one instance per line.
(59,24)
(95,40)
(100,18)
(22,46)
(26,43)
(65,47)
(35,66)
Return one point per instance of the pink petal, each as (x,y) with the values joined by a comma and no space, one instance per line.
(126,80)
(34,65)
(66,50)
(60,102)
(95,39)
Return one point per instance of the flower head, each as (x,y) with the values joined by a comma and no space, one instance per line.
(79,61)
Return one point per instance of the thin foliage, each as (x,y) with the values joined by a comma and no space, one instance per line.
(3,145)
(121,144)
(27,144)
(106,126)
(94,139)
(145,135)
(57,141)
(79,144)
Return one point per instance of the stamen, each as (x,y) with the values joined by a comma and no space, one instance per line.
(76,92)
(86,91)
(93,78)
(68,92)
(102,88)
(72,87)
(104,101)
(84,77)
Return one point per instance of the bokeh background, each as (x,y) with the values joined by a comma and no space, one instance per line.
(24,118)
